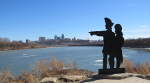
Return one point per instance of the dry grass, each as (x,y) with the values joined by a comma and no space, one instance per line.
(71,65)
(40,68)
(136,68)
(43,68)
(27,77)
(54,67)
(6,77)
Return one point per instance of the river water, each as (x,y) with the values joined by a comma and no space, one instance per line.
(89,58)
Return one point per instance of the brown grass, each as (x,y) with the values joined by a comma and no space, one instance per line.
(54,67)
(27,77)
(39,68)
(6,77)
(43,68)
(136,68)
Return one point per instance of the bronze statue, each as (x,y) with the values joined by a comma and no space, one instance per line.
(108,37)
(117,48)
(113,43)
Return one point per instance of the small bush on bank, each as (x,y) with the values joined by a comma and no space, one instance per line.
(6,77)
(136,68)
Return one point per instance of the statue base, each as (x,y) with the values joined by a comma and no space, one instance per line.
(111,71)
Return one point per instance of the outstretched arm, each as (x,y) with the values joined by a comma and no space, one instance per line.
(98,33)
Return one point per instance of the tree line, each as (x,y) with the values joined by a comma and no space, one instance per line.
(18,45)
(138,43)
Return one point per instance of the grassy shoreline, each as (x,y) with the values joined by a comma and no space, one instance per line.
(54,69)
(28,48)
(144,49)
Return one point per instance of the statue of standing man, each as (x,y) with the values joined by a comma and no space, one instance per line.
(108,37)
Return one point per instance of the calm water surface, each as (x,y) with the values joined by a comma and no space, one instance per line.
(85,57)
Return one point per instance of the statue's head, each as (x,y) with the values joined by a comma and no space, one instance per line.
(109,23)
(118,29)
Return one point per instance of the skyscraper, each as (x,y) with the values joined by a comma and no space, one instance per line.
(42,39)
(62,36)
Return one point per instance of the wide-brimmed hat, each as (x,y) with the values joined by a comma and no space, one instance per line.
(108,21)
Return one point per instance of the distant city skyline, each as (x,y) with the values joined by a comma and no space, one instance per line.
(31,19)
(43,38)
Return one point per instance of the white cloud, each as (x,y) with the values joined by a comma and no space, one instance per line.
(143,25)
(137,32)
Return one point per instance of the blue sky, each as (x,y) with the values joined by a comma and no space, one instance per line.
(22,19)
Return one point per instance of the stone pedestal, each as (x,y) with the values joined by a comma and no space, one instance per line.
(111,71)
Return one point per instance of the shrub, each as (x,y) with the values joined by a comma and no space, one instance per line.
(56,65)
(6,77)
(27,77)
(136,68)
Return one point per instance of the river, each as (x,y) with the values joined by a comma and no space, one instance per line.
(89,58)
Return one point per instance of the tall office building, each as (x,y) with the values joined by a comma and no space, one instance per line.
(62,36)
(42,39)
